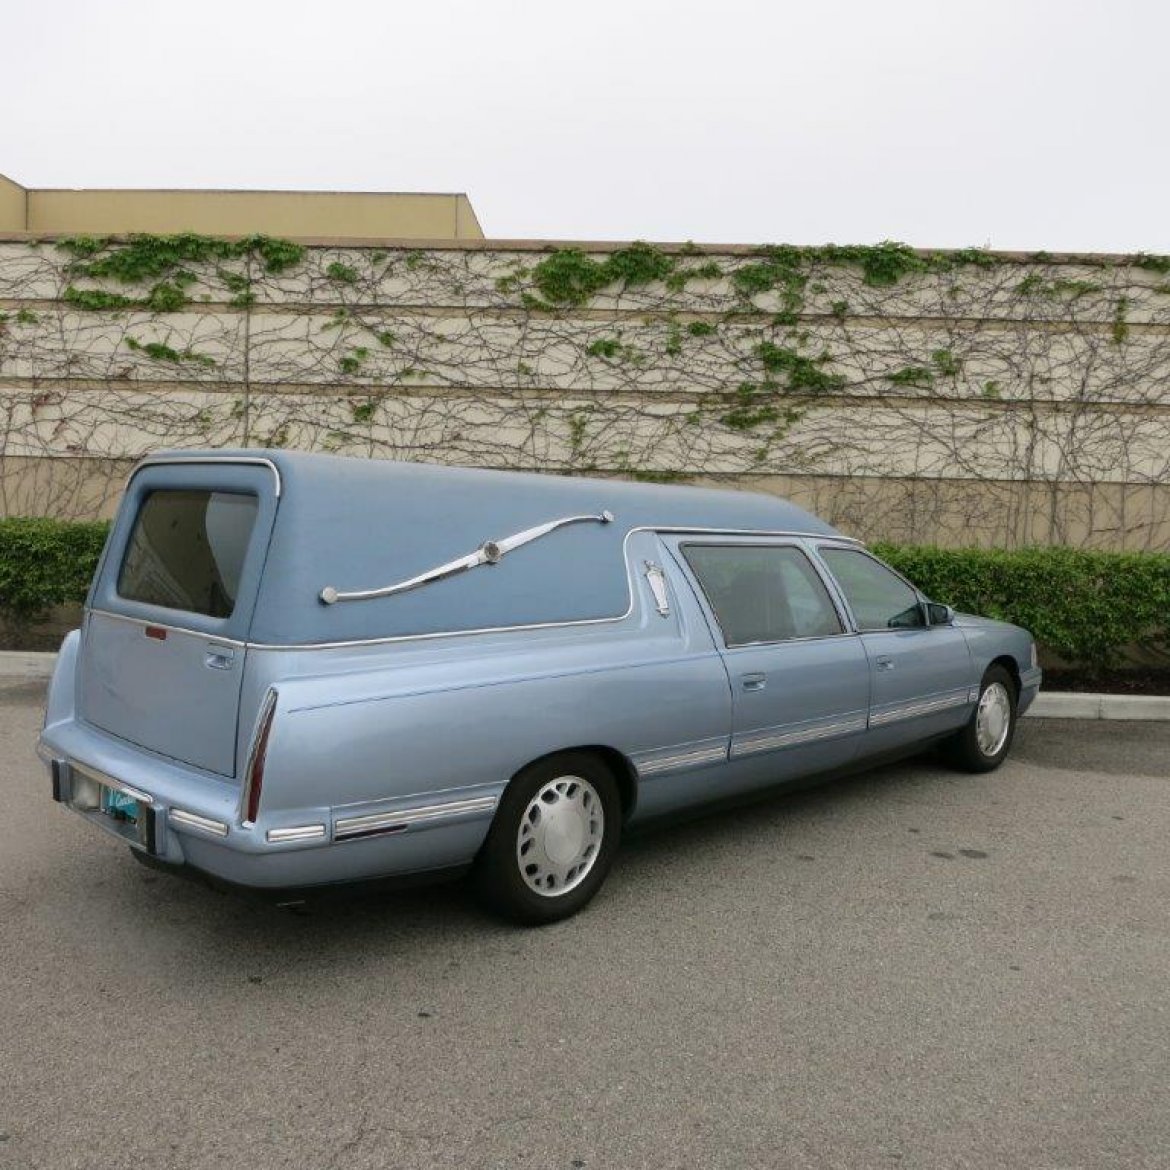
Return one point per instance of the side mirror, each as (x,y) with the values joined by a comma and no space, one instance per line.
(939,615)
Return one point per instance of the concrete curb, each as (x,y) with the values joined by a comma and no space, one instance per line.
(29,666)
(26,664)
(1077,705)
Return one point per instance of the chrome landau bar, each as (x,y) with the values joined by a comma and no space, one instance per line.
(491,552)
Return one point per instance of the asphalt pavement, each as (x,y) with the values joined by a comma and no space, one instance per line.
(912,968)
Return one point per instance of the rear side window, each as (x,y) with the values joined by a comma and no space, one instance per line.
(879,598)
(187,550)
(763,594)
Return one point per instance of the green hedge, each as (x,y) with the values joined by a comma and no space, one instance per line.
(1084,606)
(45,563)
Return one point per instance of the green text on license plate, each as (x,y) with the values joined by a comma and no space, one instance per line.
(118,804)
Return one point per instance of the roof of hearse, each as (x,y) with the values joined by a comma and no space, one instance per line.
(360,524)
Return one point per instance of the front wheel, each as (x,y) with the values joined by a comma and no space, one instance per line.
(552,841)
(984,743)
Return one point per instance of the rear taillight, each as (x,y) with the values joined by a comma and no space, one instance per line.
(254,779)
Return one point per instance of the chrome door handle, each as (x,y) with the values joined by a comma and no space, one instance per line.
(219,657)
(753,682)
(884,662)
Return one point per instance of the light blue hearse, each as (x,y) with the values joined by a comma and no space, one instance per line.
(297,670)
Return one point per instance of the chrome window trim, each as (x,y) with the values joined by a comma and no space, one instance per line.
(178,460)
(860,547)
(669,530)
(844,619)
(218,639)
(350,828)
(788,641)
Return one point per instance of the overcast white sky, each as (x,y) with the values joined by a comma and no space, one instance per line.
(1028,124)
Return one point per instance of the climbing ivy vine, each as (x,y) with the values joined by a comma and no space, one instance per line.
(846,365)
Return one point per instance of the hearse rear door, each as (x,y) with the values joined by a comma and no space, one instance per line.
(799,681)
(169,612)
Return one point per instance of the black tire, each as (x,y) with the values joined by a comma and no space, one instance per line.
(582,787)
(967,749)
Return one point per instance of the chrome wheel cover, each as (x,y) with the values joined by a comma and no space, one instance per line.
(993,720)
(560,835)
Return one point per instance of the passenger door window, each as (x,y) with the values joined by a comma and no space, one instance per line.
(879,598)
(762,593)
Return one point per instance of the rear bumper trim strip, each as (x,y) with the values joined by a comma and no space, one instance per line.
(190,820)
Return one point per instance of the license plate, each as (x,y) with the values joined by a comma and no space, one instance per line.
(119,806)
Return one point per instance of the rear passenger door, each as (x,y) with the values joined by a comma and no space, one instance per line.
(922,675)
(799,681)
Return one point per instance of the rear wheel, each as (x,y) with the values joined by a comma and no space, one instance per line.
(986,740)
(552,841)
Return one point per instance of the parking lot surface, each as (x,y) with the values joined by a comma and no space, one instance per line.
(912,968)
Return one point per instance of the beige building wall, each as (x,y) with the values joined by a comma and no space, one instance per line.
(338,215)
(12,206)
(240,213)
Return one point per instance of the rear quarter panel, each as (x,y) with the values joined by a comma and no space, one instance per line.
(363,729)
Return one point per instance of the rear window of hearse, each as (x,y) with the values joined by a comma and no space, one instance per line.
(187,551)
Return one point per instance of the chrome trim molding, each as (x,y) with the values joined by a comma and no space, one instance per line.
(394,638)
(766,533)
(900,711)
(190,820)
(345,644)
(390,822)
(178,460)
(218,639)
(491,552)
(771,739)
(677,761)
(820,571)
(656,579)
(107,781)
(296,833)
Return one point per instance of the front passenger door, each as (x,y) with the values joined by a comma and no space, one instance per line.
(921,675)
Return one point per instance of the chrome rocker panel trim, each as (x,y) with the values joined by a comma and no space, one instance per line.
(369,824)
(901,711)
(676,761)
(771,739)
